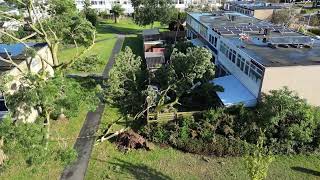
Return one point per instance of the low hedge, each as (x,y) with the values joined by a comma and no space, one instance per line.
(220,147)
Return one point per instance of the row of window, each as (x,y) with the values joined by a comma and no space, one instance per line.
(203,31)
(213,40)
(249,68)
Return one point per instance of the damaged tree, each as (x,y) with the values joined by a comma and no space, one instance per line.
(56,23)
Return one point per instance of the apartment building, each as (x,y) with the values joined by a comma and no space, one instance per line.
(254,56)
(106,5)
(259,10)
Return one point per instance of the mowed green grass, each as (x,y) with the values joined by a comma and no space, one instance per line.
(107,162)
(63,134)
(105,41)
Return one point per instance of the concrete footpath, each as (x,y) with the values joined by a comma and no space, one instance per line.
(84,145)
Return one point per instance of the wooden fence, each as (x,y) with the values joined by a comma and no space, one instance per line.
(165,117)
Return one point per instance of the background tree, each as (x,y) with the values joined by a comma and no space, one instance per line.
(149,11)
(284,17)
(90,14)
(117,11)
(61,24)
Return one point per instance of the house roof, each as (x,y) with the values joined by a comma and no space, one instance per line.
(234,92)
(16,52)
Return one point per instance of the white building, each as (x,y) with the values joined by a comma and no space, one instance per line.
(254,56)
(106,5)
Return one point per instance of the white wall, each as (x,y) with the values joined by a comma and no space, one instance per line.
(305,80)
(35,67)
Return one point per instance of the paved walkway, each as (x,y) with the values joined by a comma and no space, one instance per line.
(84,146)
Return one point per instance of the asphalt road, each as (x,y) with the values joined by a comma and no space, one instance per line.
(83,146)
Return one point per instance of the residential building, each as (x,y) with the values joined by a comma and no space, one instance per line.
(259,10)
(254,56)
(106,5)
(17,52)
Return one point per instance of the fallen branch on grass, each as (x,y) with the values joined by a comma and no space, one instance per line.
(104,138)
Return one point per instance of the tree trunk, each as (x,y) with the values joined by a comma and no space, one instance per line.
(115,19)
(54,48)
(47,125)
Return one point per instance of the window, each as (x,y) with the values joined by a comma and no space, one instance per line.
(233,57)
(215,41)
(246,68)
(239,60)
(224,48)
(255,73)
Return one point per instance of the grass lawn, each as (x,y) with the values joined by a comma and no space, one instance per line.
(19,169)
(167,163)
(106,39)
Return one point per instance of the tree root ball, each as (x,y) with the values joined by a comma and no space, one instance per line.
(132,140)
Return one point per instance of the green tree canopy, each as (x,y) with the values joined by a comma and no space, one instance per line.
(184,72)
(117,11)
(90,14)
(149,11)
(126,82)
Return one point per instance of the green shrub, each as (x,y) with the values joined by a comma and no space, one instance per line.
(289,122)
(220,147)
(67,156)
(258,163)
(87,64)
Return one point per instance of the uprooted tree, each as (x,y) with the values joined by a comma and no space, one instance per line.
(56,23)
(181,76)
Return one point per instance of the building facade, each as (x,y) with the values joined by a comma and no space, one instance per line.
(259,10)
(254,56)
(106,5)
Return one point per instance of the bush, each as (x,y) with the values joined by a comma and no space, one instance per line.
(220,147)
(289,122)
(290,125)
(67,156)
(87,64)
(25,139)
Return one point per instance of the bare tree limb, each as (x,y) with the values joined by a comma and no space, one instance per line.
(10,61)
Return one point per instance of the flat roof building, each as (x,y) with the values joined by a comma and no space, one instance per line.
(259,10)
(257,55)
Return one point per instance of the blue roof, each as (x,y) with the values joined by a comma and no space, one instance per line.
(17,49)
